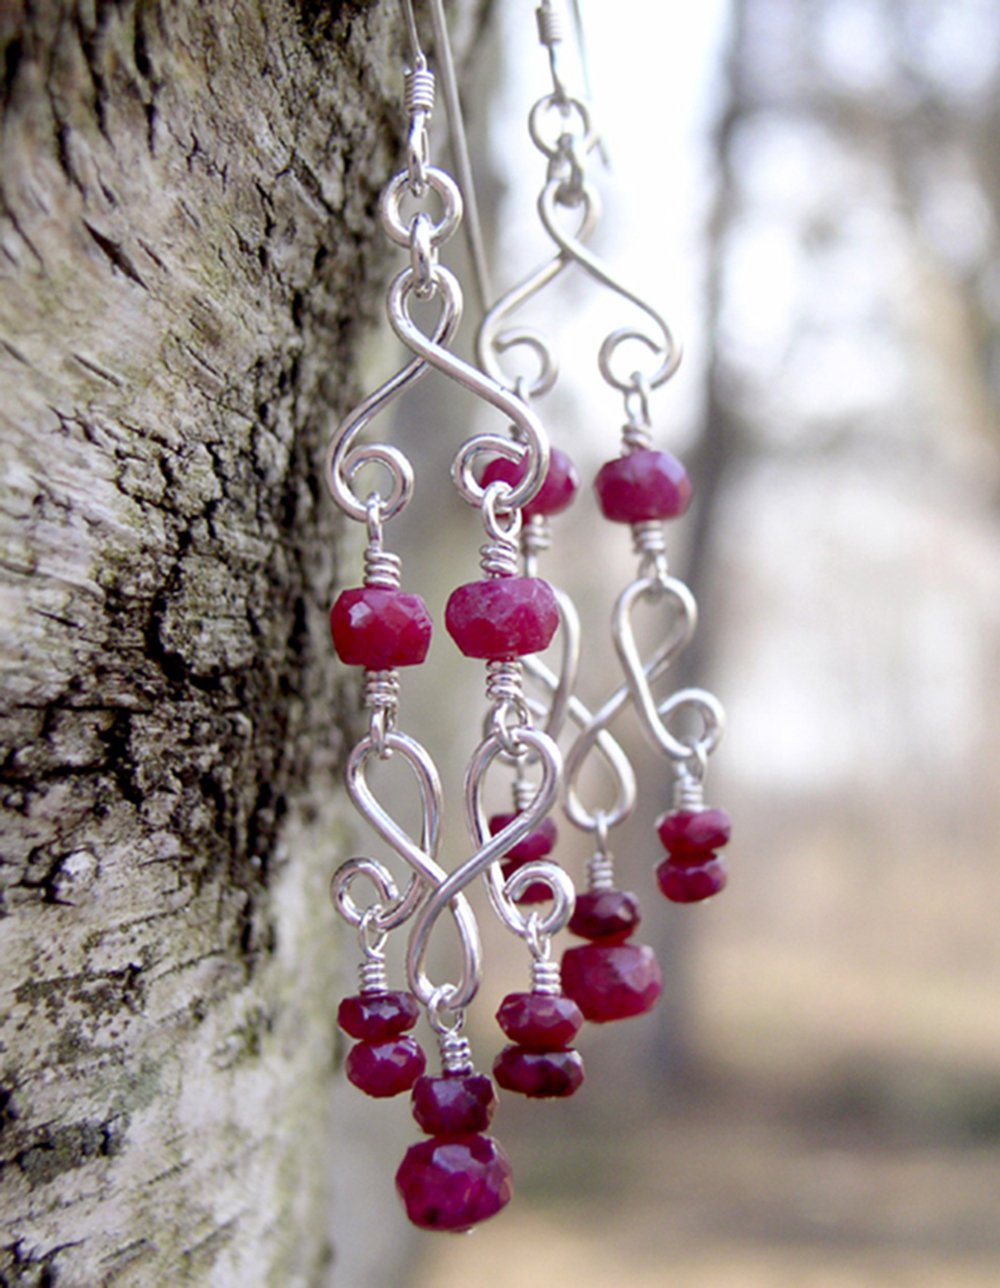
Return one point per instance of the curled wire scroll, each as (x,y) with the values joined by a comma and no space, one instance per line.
(457,996)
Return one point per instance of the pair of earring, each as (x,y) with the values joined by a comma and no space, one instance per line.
(507,618)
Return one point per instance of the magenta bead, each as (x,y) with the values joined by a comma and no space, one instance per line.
(376,1016)
(606,915)
(538,1074)
(542,1021)
(454,1104)
(555,494)
(379,628)
(643,485)
(502,617)
(385,1068)
(536,845)
(694,832)
(453,1182)
(612,981)
(686,882)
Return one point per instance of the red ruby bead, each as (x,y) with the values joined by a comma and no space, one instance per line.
(695,832)
(687,882)
(607,915)
(557,491)
(376,1016)
(612,981)
(379,628)
(502,617)
(542,1021)
(536,845)
(453,1182)
(385,1068)
(454,1104)
(538,1074)
(643,485)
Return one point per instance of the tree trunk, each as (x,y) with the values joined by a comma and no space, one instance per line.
(189,258)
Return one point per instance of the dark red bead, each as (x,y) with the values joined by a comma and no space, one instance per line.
(379,628)
(454,1104)
(555,494)
(542,1021)
(687,882)
(607,915)
(501,618)
(385,1068)
(643,485)
(536,845)
(695,832)
(453,1182)
(612,981)
(375,1016)
(538,1074)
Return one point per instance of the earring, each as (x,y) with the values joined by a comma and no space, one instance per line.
(608,976)
(458,1176)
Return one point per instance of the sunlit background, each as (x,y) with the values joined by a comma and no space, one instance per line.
(809,190)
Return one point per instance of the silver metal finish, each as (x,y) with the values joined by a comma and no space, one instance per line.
(460,153)
(421,209)
(492,342)
(529,429)
(458,995)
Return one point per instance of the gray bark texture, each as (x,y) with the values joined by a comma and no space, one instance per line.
(189,257)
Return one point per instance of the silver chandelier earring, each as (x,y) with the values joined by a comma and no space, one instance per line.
(608,976)
(458,1175)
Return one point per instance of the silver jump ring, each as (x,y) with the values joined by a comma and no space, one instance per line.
(398,187)
(564,107)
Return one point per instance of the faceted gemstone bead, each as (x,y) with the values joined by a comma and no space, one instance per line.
(687,882)
(539,1074)
(385,1068)
(379,628)
(555,494)
(606,915)
(376,1016)
(536,845)
(501,618)
(454,1104)
(542,1021)
(694,832)
(453,1182)
(611,981)
(643,485)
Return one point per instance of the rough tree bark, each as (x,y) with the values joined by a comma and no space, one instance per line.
(188,258)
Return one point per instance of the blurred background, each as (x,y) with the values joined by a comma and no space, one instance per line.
(810,191)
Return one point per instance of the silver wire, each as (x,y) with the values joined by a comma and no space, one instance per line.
(413,35)
(526,424)
(460,155)
(490,851)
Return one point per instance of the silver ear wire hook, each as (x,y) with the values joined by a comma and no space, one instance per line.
(460,154)
(413,35)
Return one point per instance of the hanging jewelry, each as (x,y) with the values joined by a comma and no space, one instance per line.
(458,1175)
(608,976)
